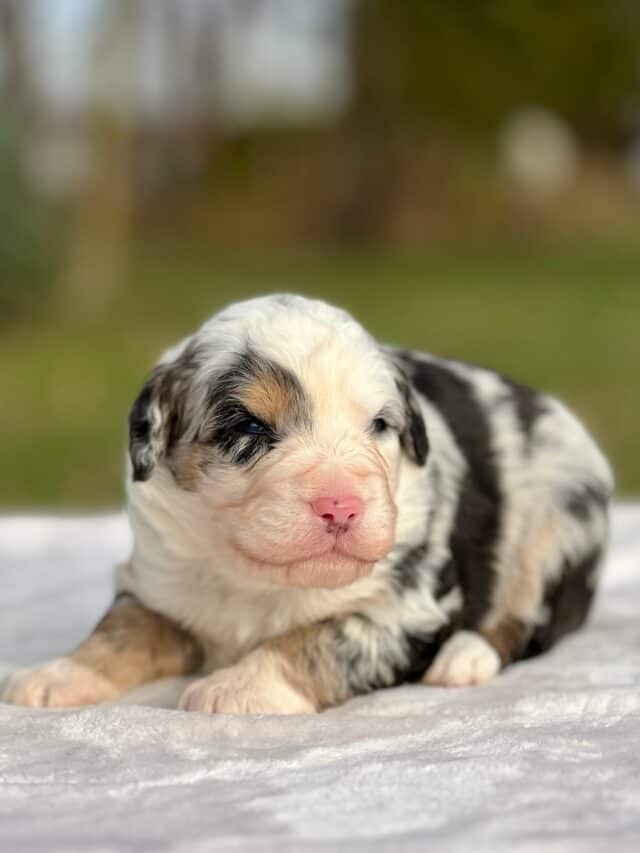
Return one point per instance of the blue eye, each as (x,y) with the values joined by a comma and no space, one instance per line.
(251,427)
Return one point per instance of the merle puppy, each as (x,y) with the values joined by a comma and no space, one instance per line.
(317,516)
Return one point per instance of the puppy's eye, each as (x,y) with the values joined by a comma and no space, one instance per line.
(252,427)
(379,425)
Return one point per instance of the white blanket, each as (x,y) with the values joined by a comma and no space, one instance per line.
(547,757)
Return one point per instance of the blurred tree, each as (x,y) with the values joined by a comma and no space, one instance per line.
(25,240)
(100,222)
(422,67)
(428,62)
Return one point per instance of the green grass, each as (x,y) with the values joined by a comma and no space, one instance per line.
(566,321)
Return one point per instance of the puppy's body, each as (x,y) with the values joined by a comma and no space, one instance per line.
(479,520)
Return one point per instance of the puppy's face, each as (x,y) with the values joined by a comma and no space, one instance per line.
(287,425)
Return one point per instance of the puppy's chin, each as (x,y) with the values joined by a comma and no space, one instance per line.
(328,571)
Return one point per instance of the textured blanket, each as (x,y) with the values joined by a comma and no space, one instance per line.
(547,757)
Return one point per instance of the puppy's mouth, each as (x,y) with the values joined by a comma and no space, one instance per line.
(329,568)
(334,550)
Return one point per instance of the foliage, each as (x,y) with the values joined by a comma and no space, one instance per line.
(468,64)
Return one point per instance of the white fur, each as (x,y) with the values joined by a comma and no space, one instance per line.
(465,659)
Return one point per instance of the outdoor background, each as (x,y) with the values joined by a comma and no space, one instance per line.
(463,176)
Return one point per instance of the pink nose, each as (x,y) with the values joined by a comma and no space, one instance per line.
(338,511)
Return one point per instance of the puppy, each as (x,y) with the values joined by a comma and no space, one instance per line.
(316,516)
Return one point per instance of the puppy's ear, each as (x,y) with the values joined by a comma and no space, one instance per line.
(413,437)
(155,419)
(147,428)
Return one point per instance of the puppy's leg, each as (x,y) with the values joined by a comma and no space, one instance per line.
(307,670)
(542,588)
(494,635)
(297,673)
(466,658)
(129,646)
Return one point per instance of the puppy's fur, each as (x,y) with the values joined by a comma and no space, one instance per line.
(481,526)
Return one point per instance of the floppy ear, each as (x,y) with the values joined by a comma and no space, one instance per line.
(413,437)
(147,429)
(155,420)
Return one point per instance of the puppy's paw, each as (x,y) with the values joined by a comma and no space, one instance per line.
(62,683)
(246,688)
(465,659)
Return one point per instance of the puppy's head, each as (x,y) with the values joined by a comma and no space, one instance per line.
(278,431)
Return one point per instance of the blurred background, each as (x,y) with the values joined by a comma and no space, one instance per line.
(464,177)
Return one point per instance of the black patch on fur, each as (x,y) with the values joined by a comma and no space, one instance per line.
(225,435)
(476,527)
(413,437)
(139,433)
(473,541)
(446,580)
(528,402)
(397,663)
(421,651)
(225,410)
(569,600)
(167,387)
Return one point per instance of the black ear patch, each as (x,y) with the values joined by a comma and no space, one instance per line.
(413,437)
(156,419)
(142,452)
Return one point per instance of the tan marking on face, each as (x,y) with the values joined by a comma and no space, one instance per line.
(132,645)
(273,400)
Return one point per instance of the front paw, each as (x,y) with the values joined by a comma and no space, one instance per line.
(465,659)
(245,689)
(61,683)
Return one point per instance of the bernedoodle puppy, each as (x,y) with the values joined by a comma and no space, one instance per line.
(316,516)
